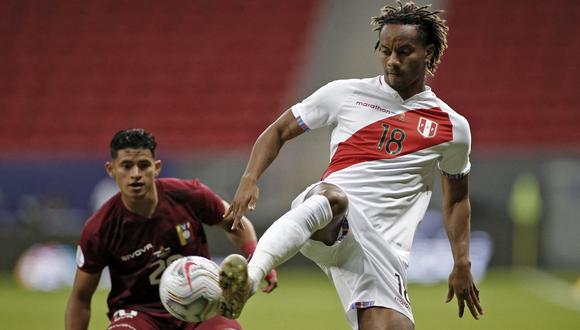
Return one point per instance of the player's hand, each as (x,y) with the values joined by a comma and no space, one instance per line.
(272,280)
(245,199)
(461,284)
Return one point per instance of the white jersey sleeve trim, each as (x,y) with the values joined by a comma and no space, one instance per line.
(299,119)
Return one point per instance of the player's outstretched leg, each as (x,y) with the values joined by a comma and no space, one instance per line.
(318,217)
(235,284)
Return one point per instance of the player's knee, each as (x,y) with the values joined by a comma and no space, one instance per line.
(336,197)
(338,203)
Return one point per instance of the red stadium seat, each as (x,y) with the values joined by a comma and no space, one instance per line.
(512,70)
(199,74)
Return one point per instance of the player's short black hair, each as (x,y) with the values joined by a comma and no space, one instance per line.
(432,27)
(134,138)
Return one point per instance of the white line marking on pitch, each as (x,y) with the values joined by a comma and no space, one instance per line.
(550,288)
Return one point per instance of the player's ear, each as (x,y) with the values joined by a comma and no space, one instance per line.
(158,167)
(109,169)
(429,53)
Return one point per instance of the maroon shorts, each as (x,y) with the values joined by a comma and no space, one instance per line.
(128,319)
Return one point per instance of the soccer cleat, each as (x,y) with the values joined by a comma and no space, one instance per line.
(236,287)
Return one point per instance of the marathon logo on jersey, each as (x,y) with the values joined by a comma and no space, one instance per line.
(427,128)
(184,233)
(373,107)
(137,253)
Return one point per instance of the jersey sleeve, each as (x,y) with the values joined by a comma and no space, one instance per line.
(321,108)
(90,256)
(208,206)
(454,162)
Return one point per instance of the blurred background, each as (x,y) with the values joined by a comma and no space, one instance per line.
(206,77)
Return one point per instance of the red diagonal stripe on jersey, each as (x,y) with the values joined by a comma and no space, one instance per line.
(363,146)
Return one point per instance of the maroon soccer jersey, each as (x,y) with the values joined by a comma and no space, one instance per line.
(138,249)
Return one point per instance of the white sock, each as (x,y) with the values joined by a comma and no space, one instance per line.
(287,235)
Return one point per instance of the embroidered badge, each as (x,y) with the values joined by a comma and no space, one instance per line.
(427,128)
(184,233)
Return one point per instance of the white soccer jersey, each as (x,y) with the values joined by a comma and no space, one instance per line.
(384,151)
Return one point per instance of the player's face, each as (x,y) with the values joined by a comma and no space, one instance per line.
(404,58)
(134,171)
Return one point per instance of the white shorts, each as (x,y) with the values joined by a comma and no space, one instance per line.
(362,278)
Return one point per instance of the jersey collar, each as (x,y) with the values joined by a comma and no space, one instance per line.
(425,94)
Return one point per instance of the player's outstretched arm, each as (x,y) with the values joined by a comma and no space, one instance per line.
(244,237)
(78,309)
(457,213)
(264,152)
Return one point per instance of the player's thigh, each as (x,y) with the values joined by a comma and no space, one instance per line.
(382,318)
(127,319)
(335,195)
(217,323)
(339,206)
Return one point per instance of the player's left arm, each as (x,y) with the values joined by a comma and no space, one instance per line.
(457,217)
(78,309)
(244,237)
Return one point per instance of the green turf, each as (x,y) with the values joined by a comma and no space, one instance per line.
(305,300)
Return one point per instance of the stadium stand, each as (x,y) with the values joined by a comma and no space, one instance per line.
(200,74)
(512,70)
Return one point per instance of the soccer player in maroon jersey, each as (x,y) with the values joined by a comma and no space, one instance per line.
(139,232)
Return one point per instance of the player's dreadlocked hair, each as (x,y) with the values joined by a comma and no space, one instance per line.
(432,27)
(134,138)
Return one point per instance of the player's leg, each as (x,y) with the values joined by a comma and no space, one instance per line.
(236,287)
(381,318)
(318,217)
(338,204)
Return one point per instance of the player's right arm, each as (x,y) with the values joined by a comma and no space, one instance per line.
(264,152)
(78,309)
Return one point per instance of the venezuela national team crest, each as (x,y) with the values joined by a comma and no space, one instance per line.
(427,128)
(184,233)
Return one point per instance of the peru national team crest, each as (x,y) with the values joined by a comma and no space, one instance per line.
(427,128)
(184,233)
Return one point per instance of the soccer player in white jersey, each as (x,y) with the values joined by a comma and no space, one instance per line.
(390,137)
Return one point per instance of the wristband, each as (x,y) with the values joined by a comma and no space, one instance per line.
(248,248)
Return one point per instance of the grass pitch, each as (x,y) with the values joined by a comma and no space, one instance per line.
(306,300)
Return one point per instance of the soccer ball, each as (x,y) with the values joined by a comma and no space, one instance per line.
(190,289)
